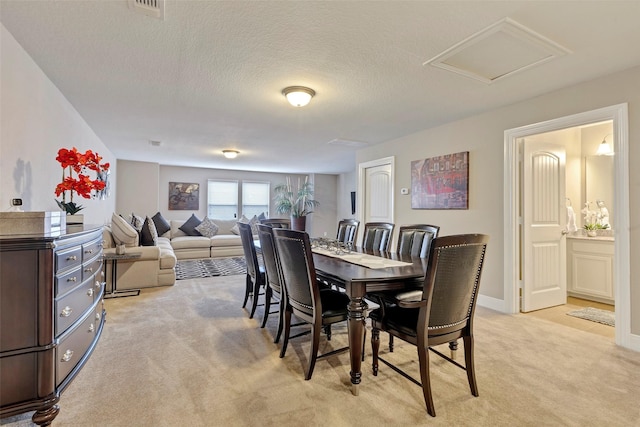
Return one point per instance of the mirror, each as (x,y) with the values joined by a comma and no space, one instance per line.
(599,181)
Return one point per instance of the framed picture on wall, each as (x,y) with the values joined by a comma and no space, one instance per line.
(184,196)
(441,182)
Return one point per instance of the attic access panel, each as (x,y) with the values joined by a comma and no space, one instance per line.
(498,51)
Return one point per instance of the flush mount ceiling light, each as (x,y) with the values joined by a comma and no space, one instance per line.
(604,149)
(230,154)
(298,96)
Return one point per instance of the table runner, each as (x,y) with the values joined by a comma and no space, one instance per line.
(365,260)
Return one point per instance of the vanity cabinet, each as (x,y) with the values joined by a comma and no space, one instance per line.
(51,316)
(590,268)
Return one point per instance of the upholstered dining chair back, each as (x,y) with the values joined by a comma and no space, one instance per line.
(273,279)
(347,230)
(255,278)
(276,222)
(377,236)
(415,240)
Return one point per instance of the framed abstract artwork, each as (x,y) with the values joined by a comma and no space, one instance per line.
(440,182)
(184,196)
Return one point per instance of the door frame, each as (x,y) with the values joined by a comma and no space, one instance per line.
(622,282)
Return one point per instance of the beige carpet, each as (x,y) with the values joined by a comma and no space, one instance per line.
(188,355)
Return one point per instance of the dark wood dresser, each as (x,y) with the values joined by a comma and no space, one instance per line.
(51,316)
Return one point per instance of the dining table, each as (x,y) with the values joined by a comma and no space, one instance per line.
(349,270)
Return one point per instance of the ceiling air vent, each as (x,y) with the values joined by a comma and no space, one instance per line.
(153,8)
(347,143)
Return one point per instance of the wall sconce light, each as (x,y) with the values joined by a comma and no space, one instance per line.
(230,154)
(298,96)
(604,149)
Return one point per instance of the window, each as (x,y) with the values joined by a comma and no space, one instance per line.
(255,198)
(225,196)
(222,199)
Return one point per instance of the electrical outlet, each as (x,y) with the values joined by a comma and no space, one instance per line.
(16,202)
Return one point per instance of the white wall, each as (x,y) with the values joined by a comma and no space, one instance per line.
(36,120)
(483,136)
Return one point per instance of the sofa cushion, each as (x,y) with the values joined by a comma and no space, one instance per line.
(123,233)
(243,219)
(190,242)
(224,240)
(189,227)
(207,228)
(148,234)
(162,225)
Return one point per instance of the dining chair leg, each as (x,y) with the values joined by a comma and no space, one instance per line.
(470,365)
(313,353)
(280,319)
(268,293)
(453,349)
(254,301)
(327,331)
(390,343)
(287,329)
(247,292)
(423,357)
(375,347)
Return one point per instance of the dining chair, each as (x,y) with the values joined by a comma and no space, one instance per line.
(441,312)
(377,236)
(255,278)
(415,241)
(305,299)
(276,222)
(347,230)
(273,280)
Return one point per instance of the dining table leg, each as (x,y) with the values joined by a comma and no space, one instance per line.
(355,323)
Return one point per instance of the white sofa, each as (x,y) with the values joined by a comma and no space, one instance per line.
(155,267)
(223,244)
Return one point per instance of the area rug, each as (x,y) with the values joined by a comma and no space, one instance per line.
(196,268)
(595,315)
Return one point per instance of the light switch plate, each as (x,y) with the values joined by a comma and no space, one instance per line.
(404,191)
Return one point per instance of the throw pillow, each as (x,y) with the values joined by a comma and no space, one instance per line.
(148,234)
(162,225)
(123,233)
(243,219)
(207,228)
(253,222)
(136,221)
(261,216)
(189,227)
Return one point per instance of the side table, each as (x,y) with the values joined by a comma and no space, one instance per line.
(113,259)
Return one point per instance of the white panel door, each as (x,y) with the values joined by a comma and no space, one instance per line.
(544,220)
(378,194)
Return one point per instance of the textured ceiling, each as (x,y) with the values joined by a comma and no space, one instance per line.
(210,75)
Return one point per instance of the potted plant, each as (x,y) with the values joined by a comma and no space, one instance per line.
(295,201)
(592,228)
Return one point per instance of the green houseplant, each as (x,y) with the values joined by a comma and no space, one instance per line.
(296,201)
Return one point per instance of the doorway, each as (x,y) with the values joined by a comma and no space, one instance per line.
(513,262)
(375,182)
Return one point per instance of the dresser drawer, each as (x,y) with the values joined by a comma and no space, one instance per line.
(73,305)
(68,258)
(91,249)
(68,280)
(91,267)
(73,346)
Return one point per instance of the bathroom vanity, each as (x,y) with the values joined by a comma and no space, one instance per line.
(590,268)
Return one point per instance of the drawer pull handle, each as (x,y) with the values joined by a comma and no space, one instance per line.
(72,279)
(90,251)
(72,258)
(66,312)
(98,285)
(90,292)
(98,317)
(91,328)
(67,355)
(88,270)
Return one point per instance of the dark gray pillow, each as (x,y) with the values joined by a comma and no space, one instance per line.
(162,225)
(189,227)
(148,234)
